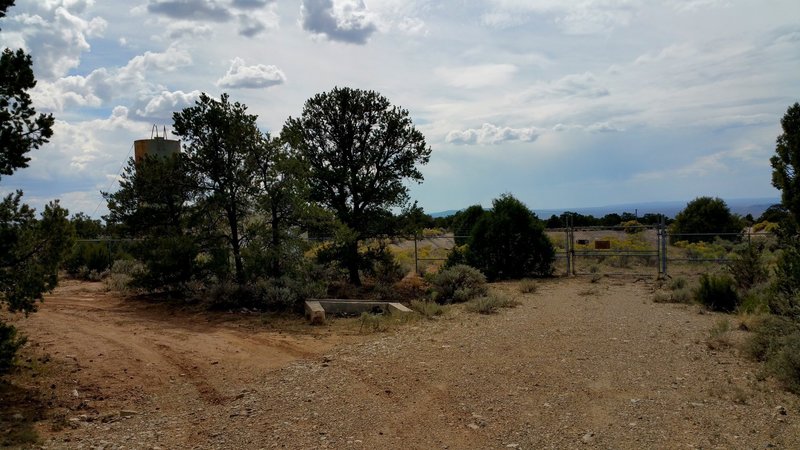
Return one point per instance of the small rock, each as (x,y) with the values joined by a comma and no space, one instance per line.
(18,416)
(75,393)
(473,426)
(588,438)
(127,413)
(512,446)
(781,410)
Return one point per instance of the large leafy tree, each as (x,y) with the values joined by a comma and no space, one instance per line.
(222,144)
(360,150)
(705,218)
(281,205)
(786,161)
(30,249)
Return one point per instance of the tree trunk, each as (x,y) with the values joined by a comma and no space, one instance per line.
(351,257)
(276,243)
(236,247)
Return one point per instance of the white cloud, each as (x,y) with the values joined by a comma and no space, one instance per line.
(603,127)
(573,85)
(572,17)
(477,76)
(241,76)
(252,4)
(163,105)
(346,21)
(53,32)
(201,10)
(103,85)
(188,30)
(489,134)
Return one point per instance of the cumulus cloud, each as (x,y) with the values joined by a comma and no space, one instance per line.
(164,104)
(573,85)
(201,10)
(102,85)
(477,76)
(190,30)
(346,21)
(489,134)
(241,76)
(54,32)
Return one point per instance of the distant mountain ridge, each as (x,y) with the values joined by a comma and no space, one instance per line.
(741,206)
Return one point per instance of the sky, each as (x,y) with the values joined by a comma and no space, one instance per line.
(561,103)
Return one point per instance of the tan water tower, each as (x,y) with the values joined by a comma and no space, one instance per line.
(156,145)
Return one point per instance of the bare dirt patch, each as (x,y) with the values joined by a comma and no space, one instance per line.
(576,364)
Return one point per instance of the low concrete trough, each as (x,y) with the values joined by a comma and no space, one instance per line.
(316,309)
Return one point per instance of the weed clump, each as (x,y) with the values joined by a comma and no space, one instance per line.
(458,284)
(427,309)
(528,286)
(490,304)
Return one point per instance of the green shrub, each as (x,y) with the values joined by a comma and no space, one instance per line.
(769,336)
(509,242)
(746,266)
(10,343)
(756,299)
(786,285)
(87,257)
(717,293)
(786,364)
(776,342)
(458,284)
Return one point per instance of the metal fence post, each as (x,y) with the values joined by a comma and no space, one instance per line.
(416,256)
(664,237)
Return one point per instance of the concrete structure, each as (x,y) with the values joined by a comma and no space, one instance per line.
(316,309)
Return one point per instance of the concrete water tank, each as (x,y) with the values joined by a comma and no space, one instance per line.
(155,146)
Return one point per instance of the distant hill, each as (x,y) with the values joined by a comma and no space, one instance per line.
(741,206)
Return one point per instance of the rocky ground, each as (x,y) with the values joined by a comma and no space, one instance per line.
(576,365)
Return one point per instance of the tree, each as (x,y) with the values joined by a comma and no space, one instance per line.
(21,129)
(359,150)
(704,219)
(154,206)
(153,197)
(222,143)
(31,249)
(509,242)
(786,162)
(282,191)
(464,221)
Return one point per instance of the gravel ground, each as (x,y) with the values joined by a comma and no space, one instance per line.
(576,365)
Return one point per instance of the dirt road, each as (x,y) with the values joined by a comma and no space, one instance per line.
(578,364)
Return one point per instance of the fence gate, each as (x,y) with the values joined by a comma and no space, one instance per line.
(615,250)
